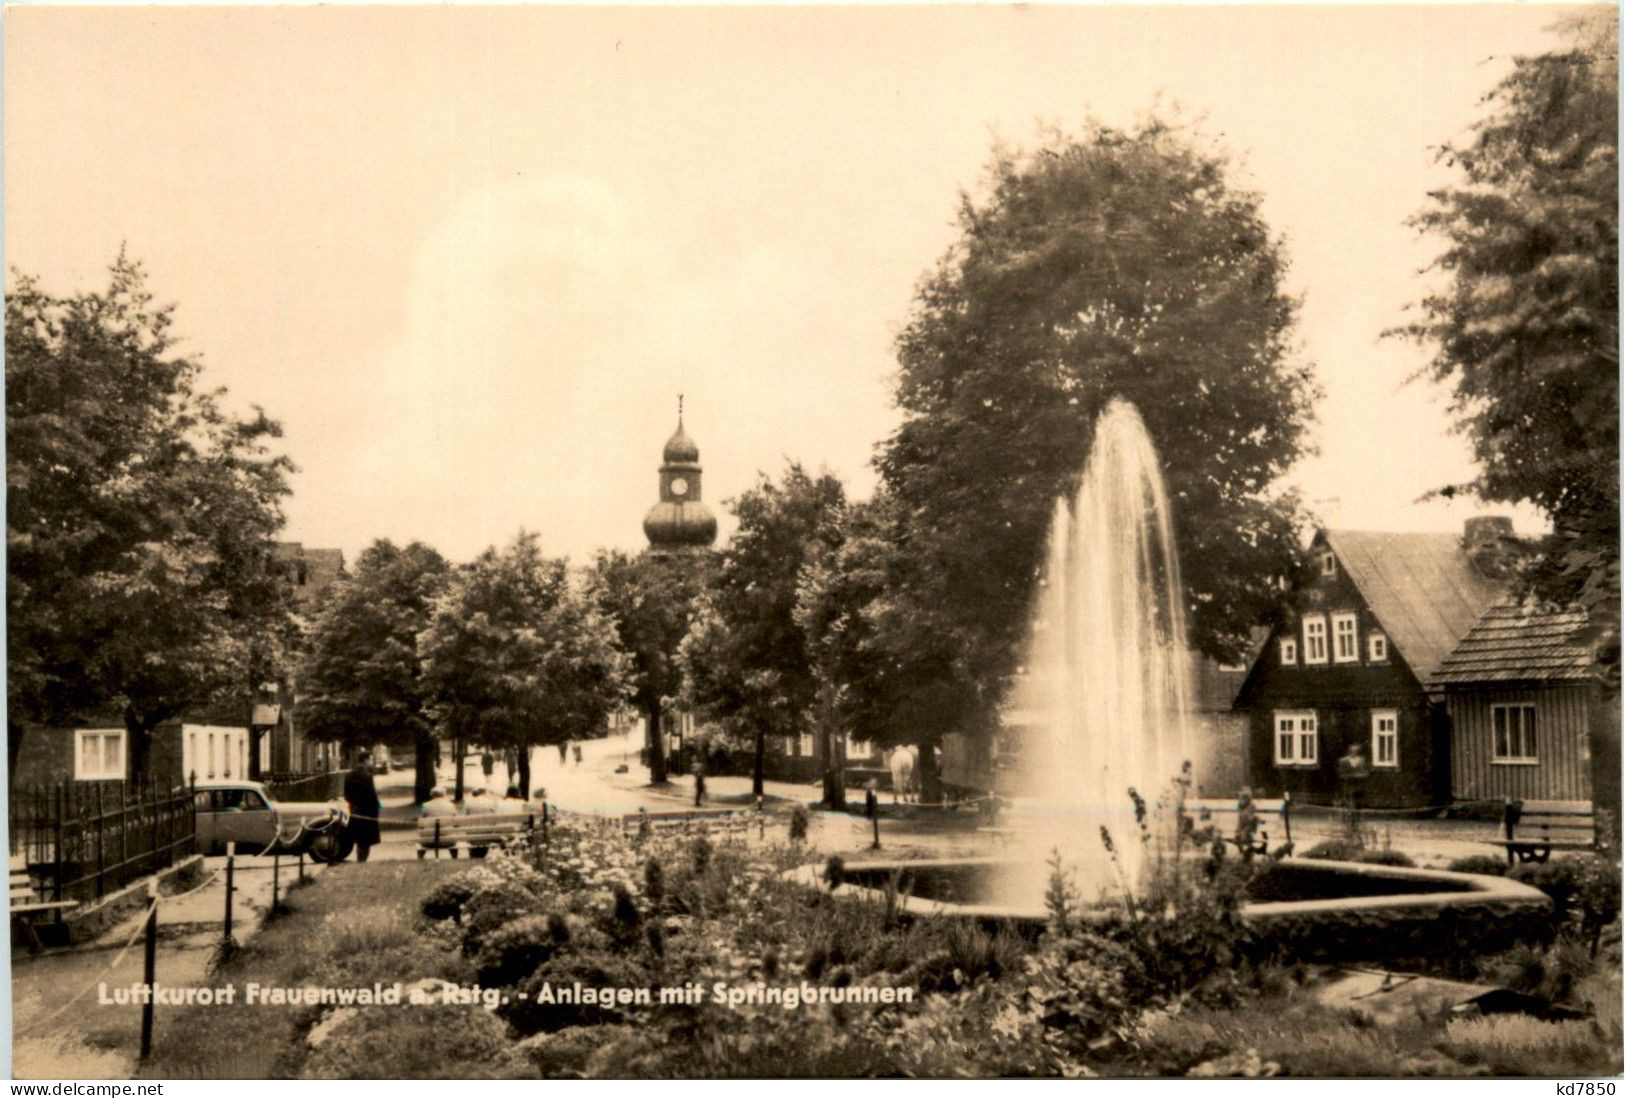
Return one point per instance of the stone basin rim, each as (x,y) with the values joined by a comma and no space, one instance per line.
(1477,889)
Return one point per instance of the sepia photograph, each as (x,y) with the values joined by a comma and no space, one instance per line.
(804,542)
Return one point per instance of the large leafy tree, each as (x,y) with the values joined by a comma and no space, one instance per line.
(1112,263)
(746,660)
(516,654)
(362,679)
(1524,326)
(139,521)
(651,599)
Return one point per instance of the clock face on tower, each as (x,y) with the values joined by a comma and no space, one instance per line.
(679,486)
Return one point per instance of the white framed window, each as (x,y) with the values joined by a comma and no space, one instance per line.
(1314,638)
(1289,651)
(1345,638)
(1385,737)
(1376,646)
(1297,737)
(1513,732)
(1328,564)
(98,754)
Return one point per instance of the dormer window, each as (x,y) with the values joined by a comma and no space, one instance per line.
(1376,646)
(1314,638)
(1345,639)
(1289,651)
(1328,564)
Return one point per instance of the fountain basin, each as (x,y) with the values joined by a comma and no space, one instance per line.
(1310,909)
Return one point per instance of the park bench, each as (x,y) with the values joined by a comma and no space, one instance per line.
(27,903)
(720,818)
(478,832)
(1534,829)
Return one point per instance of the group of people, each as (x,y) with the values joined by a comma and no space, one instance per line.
(361,794)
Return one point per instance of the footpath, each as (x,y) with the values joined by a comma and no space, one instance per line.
(62,1027)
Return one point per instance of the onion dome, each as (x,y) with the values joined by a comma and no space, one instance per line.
(673,525)
(680,449)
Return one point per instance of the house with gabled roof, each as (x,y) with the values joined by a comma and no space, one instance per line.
(1524,695)
(1354,662)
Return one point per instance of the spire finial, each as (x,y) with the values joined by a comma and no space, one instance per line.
(679,409)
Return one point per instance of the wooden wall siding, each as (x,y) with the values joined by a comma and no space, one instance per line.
(1343,695)
(1562,727)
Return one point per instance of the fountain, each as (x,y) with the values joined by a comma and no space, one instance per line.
(1107,676)
(1107,670)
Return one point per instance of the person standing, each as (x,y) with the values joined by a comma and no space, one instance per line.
(362,796)
(488,764)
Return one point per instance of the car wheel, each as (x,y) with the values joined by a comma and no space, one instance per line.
(329,847)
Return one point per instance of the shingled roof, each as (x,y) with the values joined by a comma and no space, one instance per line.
(1422,587)
(1517,642)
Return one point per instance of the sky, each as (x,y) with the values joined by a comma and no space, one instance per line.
(469,256)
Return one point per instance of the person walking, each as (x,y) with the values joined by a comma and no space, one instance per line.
(699,784)
(362,797)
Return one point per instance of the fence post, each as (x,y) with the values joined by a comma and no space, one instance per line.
(231,881)
(301,866)
(123,827)
(437,838)
(101,843)
(150,973)
(1286,814)
(57,837)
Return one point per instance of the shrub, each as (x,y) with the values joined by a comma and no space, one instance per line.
(798,824)
(515,949)
(489,908)
(1584,893)
(1486,865)
(567,1053)
(1386,857)
(447,900)
(442,1042)
(1334,850)
(595,968)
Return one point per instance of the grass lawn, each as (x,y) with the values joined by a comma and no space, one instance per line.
(354,924)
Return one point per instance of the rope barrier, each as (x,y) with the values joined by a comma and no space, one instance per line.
(140,926)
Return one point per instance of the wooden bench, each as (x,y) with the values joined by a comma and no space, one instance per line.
(724,818)
(27,903)
(478,832)
(1534,829)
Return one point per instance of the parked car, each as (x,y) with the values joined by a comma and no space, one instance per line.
(380,760)
(244,813)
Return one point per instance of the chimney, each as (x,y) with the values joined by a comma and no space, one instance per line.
(1489,541)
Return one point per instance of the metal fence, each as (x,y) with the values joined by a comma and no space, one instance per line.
(82,840)
(297,786)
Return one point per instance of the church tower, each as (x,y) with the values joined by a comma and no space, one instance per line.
(680,522)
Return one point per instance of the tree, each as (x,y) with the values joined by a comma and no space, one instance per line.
(1112,263)
(651,600)
(140,517)
(746,662)
(362,679)
(516,655)
(1525,326)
